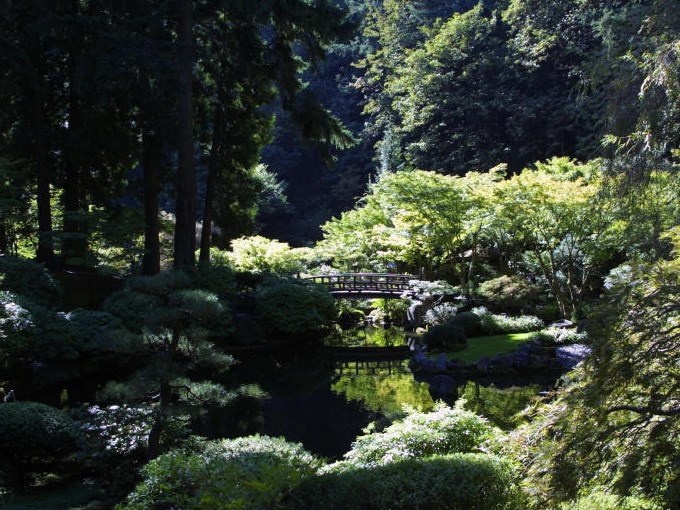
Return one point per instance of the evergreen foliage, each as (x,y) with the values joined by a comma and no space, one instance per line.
(33,436)
(295,309)
(253,472)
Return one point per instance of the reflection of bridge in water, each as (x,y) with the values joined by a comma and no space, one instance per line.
(369,285)
(368,367)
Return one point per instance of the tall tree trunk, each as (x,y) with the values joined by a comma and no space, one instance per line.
(74,242)
(45,251)
(213,171)
(4,246)
(185,226)
(151,161)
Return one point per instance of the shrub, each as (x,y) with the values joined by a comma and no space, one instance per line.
(453,482)
(445,336)
(30,279)
(508,293)
(246,473)
(602,500)
(564,336)
(290,308)
(470,322)
(17,327)
(443,430)
(440,314)
(34,435)
(258,254)
(500,324)
(218,279)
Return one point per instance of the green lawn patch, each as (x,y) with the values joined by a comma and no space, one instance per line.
(486,346)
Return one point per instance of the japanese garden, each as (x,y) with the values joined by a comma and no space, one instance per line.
(340,254)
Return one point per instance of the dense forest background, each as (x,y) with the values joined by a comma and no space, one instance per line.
(92,107)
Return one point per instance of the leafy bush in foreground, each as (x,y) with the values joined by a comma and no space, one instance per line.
(460,481)
(443,430)
(34,435)
(246,473)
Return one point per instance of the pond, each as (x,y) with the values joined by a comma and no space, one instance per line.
(324,400)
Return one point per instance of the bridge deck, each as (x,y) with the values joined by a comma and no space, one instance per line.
(365,284)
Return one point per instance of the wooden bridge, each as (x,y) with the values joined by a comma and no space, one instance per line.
(349,285)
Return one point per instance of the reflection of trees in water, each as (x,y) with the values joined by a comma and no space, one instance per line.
(500,406)
(382,386)
(368,336)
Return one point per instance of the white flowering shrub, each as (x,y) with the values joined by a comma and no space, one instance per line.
(443,430)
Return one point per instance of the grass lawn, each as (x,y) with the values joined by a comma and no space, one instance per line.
(481,346)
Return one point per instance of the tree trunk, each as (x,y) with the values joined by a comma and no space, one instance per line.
(213,171)
(151,161)
(45,251)
(74,242)
(4,247)
(185,226)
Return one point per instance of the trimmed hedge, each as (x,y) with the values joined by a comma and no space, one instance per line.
(459,481)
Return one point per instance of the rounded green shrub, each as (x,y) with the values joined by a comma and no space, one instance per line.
(445,336)
(470,322)
(290,308)
(459,481)
(30,279)
(34,435)
(247,473)
(509,294)
(443,430)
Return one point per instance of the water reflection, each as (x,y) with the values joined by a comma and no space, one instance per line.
(368,336)
(383,387)
(324,403)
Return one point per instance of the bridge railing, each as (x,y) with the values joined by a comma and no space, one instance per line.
(365,282)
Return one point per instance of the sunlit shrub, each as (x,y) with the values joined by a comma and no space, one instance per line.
(443,430)
(508,294)
(253,472)
(34,436)
(602,500)
(459,481)
(294,308)
(258,254)
(30,279)
(440,314)
(481,321)
(445,336)
(17,327)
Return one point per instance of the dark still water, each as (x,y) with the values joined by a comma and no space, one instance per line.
(324,403)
